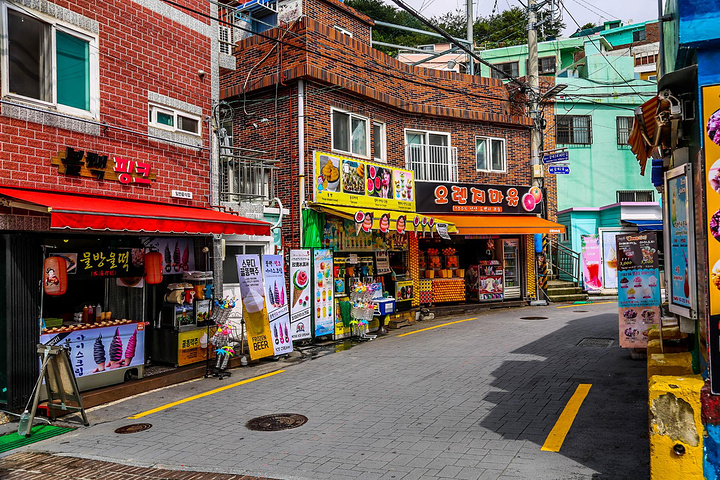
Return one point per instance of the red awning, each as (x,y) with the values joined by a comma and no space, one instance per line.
(89,212)
(645,132)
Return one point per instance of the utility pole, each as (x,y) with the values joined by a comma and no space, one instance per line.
(470,39)
(534,89)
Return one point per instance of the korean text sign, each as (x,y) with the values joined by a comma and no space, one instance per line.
(255,313)
(468,198)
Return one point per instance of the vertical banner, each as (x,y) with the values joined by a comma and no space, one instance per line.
(591,259)
(711,142)
(323,303)
(276,297)
(252,293)
(609,275)
(300,301)
(681,289)
(639,296)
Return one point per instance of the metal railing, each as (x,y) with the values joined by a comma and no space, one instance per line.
(432,162)
(565,262)
(245,178)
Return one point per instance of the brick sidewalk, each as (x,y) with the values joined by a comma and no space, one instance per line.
(43,466)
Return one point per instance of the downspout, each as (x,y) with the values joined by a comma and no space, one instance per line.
(301,154)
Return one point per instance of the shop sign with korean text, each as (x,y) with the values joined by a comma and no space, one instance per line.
(101,349)
(277,298)
(639,295)
(300,294)
(255,312)
(79,163)
(105,263)
(193,345)
(348,182)
(711,142)
(469,198)
(679,217)
(323,293)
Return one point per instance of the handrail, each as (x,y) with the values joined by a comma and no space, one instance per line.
(565,260)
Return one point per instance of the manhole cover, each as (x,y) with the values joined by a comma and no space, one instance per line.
(533,318)
(580,311)
(596,342)
(134,428)
(278,421)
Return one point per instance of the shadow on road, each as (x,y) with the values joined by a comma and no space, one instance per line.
(609,434)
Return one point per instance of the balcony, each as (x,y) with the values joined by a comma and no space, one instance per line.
(245,177)
(432,163)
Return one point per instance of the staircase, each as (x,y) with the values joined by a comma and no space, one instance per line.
(562,291)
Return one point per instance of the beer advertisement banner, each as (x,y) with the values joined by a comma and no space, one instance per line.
(347,182)
(300,301)
(323,282)
(276,296)
(639,296)
(252,294)
(711,142)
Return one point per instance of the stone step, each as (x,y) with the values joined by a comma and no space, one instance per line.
(560,284)
(582,297)
(564,291)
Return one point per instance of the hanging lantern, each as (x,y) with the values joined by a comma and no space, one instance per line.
(55,276)
(153,268)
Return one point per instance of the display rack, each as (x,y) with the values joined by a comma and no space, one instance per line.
(363,309)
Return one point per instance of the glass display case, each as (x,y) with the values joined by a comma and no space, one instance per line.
(512,268)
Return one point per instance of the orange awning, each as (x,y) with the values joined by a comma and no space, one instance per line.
(502,225)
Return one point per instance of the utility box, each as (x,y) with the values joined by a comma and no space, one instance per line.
(676,429)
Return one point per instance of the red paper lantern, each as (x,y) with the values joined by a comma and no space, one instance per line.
(55,276)
(153,268)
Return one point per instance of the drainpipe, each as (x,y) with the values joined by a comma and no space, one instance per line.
(301,153)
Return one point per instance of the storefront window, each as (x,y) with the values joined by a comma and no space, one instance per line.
(230,275)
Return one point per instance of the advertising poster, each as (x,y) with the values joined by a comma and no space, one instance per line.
(100,349)
(609,274)
(347,182)
(591,260)
(255,313)
(193,346)
(472,198)
(639,295)
(711,143)
(323,303)
(277,298)
(677,194)
(178,253)
(300,301)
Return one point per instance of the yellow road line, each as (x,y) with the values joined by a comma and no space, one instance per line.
(437,326)
(585,304)
(201,395)
(557,435)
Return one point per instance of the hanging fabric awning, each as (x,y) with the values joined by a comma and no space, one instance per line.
(94,212)
(503,225)
(645,132)
(642,225)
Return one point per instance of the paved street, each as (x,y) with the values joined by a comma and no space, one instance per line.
(474,399)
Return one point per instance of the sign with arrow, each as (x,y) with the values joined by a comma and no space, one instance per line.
(559,169)
(556,157)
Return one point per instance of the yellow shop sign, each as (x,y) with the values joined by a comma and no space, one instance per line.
(351,183)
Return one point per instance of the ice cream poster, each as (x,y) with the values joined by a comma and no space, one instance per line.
(277,298)
(680,283)
(591,260)
(609,260)
(323,283)
(635,324)
(178,253)
(254,308)
(101,349)
(300,298)
(193,345)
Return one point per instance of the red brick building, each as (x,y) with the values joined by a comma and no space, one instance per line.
(308,80)
(106,149)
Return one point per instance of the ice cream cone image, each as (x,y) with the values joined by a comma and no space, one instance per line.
(99,354)
(116,351)
(130,349)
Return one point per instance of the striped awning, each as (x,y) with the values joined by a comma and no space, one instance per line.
(645,133)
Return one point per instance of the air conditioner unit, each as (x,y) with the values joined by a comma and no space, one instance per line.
(224,37)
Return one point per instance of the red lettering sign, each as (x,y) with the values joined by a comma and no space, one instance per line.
(459,194)
(441,192)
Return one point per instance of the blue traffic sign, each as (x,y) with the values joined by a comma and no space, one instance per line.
(559,169)
(556,157)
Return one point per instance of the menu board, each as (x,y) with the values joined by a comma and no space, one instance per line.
(639,296)
(348,182)
(323,282)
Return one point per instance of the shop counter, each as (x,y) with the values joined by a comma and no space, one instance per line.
(102,353)
(448,290)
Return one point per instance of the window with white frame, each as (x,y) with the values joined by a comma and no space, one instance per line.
(490,154)
(430,156)
(350,133)
(379,142)
(49,62)
(167,118)
(342,30)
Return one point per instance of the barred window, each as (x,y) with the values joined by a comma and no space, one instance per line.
(573,129)
(510,68)
(624,126)
(635,196)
